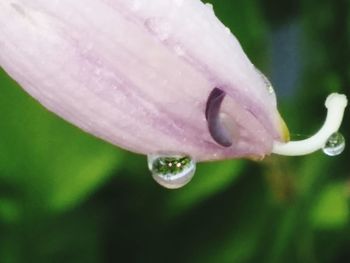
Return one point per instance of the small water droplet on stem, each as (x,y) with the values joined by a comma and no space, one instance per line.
(335,144)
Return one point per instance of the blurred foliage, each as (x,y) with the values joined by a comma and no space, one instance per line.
(68,197)
(45,162)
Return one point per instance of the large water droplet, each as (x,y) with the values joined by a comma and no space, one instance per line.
(171,171)
(335,144)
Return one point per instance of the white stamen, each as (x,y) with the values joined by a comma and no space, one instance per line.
(335,105)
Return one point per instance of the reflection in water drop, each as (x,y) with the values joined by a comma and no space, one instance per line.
(335,144)
(171,171)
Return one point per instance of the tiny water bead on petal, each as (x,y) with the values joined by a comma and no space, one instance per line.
(267,82)
(335,144)
(171,171)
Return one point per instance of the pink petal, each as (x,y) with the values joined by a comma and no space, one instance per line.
(138,73)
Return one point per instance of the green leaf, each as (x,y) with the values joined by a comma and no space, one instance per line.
(209,179)
(331,210)
(51,164)
(9,211)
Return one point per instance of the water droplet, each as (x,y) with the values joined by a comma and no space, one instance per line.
(210,7)
(228,31)
(179,51)
(171,171)
(135,5)
(267,82)
(159,27)
(335,144)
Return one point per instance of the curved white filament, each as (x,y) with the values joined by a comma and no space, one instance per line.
(335,104)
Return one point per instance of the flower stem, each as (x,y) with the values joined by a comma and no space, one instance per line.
(335,104)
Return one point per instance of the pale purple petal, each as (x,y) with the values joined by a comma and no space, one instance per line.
(138,73)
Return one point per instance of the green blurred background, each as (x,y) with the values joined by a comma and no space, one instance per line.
(68,197)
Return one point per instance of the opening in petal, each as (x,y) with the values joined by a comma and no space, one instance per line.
(212,113)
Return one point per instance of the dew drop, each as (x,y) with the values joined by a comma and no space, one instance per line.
(335,144)
(210,7)
(160,28)
(171,171)
(135,5)
(267,82)
(228,31)
(179,51)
